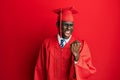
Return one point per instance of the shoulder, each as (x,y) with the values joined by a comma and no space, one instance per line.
(48,41)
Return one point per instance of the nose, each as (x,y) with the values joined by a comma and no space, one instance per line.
(68,27)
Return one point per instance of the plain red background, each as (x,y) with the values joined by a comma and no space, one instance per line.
(24,24)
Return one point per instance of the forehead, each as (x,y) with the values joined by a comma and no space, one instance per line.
(68,22)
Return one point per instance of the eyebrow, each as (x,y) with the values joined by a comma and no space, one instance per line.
(68,22)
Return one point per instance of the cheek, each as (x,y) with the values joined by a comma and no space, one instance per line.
(72,28)
(64,28)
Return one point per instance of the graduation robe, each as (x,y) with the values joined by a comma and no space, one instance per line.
(56,63)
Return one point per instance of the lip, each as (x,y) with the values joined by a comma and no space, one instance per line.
(67,33)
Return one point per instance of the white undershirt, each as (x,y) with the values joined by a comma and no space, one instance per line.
(66,40)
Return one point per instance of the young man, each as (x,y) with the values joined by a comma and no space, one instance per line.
(64,57)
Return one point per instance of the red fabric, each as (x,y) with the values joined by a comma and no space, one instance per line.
(67,13)
(55,63)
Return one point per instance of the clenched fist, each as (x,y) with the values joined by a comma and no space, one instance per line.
(75,47)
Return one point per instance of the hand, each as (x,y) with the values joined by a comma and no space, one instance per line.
(75,46)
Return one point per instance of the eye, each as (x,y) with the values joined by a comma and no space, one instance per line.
(71,24)
(65,24)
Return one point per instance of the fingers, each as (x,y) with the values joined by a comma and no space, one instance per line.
(75,46)
(76,43)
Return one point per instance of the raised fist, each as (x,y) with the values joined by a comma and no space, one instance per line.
(75,47)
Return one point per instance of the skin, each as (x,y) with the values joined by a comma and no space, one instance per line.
(67,29)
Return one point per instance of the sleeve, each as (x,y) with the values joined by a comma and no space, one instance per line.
(40,71)
(84,67)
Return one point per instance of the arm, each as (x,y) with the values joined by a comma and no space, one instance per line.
(39,73)
(84,67)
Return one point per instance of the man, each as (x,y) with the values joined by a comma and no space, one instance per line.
(64,57)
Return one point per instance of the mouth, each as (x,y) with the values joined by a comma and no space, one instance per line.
(67,33)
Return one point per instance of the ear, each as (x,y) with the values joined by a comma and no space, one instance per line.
(57,24)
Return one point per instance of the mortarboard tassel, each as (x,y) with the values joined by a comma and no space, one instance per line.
(61,23)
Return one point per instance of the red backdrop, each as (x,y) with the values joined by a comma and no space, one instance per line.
(24,24)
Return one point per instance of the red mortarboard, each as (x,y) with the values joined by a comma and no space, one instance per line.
(65,14)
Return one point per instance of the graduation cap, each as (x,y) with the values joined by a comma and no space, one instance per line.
(65,14)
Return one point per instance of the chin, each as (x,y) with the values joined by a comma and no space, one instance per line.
(66,37)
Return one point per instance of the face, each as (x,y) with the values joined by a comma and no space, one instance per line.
(67,29)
